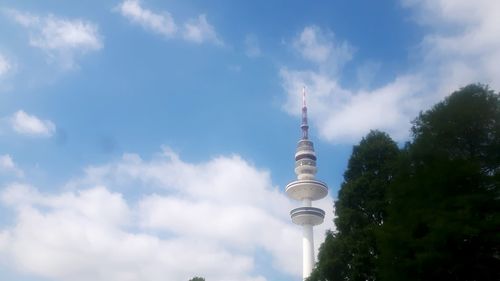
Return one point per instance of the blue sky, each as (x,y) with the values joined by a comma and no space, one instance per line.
(151,140)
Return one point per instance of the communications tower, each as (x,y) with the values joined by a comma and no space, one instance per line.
(306,189)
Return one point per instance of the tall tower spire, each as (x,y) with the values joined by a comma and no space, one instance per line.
(304,126)
(306,189)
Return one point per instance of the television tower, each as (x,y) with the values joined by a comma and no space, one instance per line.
(306,189)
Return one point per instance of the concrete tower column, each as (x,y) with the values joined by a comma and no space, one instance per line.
(307,250)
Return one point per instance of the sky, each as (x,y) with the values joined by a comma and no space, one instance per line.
(152,140)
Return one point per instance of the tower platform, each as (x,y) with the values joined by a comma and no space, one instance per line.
(306,189)
(307,216)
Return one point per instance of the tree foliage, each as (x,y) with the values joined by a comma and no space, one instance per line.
(431,214)
(444,219)
(197,279)
(351,252)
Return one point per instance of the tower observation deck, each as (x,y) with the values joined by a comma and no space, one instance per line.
(306,189)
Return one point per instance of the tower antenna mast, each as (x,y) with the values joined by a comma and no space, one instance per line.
(304,126)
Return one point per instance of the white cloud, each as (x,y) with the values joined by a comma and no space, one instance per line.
(321,47)
(8,165)
(62,39)
(24,19)
(345,115)
(252,48)
(209,219)
(199,30)
(462,47)
(161,23)
(26,124)
(5,65)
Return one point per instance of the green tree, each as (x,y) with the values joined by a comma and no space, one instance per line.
(443,222)
(197,279)
(351,252)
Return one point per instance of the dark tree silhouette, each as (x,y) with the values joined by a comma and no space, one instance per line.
(351,252)
(444,218)
(428,212)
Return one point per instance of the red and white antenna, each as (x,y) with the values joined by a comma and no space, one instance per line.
(304,96)
(304,126)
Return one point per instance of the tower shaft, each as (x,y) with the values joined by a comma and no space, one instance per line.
(307,250)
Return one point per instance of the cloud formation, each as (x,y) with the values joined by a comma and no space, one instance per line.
(26,124)
(343,115)
(197,30)
(161,23)
(339,113)
(63,40)
(5,65)
(321,47)
(7,165)
(462,47)
(209,219)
